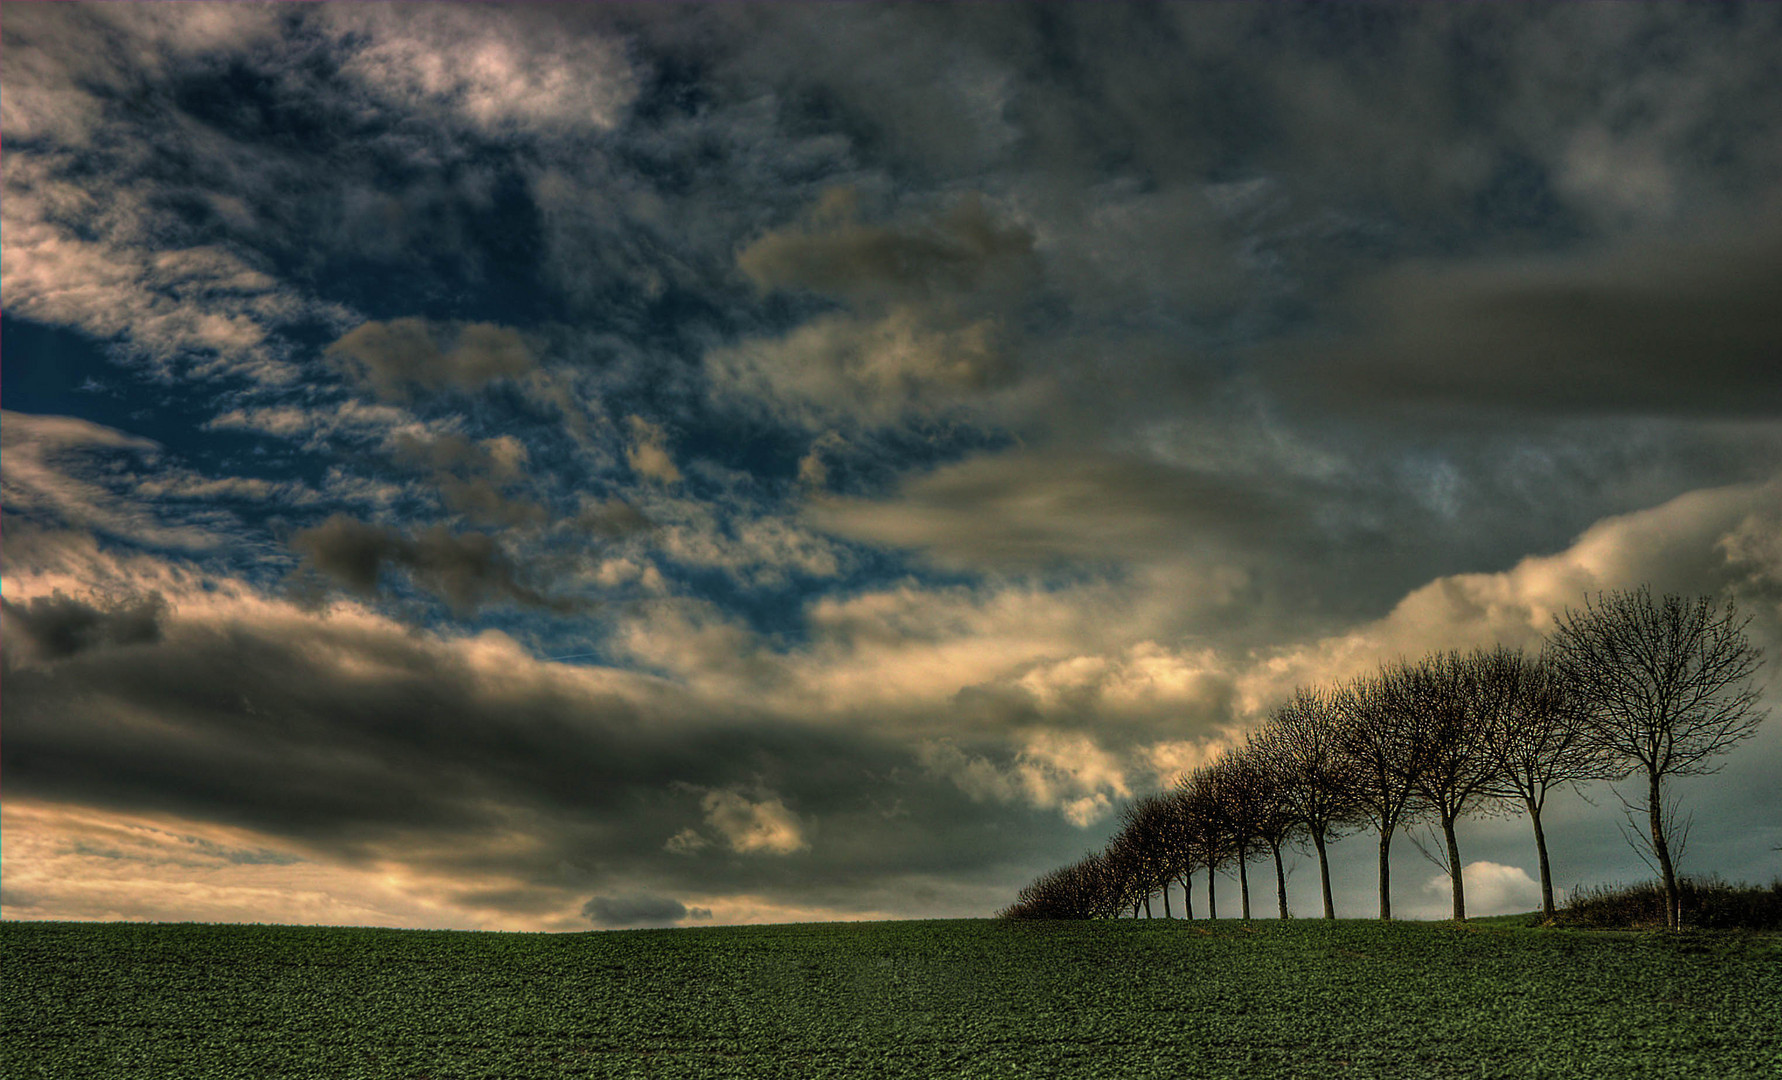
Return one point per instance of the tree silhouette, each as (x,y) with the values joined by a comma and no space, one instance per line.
(1666,685)
(1374,734)
(1269,812)
(1454,771)
(1142,849)
(1534,729)
(1300,744)
(1206,830)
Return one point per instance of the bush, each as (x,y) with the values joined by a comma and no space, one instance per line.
(1708,904)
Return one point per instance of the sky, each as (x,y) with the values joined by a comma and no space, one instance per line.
(575,467)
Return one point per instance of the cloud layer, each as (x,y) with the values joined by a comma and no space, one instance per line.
(551,467)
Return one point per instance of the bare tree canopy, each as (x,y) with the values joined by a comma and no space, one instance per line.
(1534,729)
(1299,743)
(1666,685)
(1205,824)
(1270,814)
(1375,737)
(1453,770)
(1241,787)
(1141,848)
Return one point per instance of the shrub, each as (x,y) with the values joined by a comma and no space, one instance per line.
(1708,903)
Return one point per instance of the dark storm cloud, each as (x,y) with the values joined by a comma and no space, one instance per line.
(467,569)
(963,249)
(474,477)
(1679,327)
(395,359)
(1424,109)
(359,740)
(59,626)
(934,303)
(1034,509)
(639,909)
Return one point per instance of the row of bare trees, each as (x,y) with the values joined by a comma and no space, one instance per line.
(1627,685)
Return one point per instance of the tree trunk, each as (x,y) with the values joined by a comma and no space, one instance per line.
(1166,913)
(1534,815)
(1147,906)
(1454,877)
(1212,895)
(1673,900)
(1244,884)
(1280,880)
(1386,874)
(1188,897)
(1324,874)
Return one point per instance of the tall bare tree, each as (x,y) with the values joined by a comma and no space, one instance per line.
(1132,878)
(1667,685)
(1143,849)
(1205,826)
(1239,786)
(1455,772)
(1300,742)
(1101,883)
(1181,844)
(1534,728)
(1374,734)
(1270,813)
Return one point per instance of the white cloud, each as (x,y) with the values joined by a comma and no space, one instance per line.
(93,253)
(1706,541)
(313,427)
(74,863)
(875,371)
(204,307)
(756,550)
(1491,889)
(65,472)
(502,71)
(759,826)
(1066,772)
(54,57)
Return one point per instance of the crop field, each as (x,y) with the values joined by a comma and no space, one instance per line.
(977,998)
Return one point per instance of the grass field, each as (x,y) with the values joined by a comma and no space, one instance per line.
(911,999)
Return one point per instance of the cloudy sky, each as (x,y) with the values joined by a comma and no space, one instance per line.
(545,468)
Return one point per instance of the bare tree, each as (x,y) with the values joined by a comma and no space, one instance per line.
(1100,883)
(1455,772)
(1534,729)
(1181,843)
(1205,827)
(1375,735)
(1238,786)
(1666,685)
(1078,891)
(1270,813)
(1124,860)
(1299,741)
(1143,849)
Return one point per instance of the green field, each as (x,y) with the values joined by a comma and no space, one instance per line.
(918,999)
